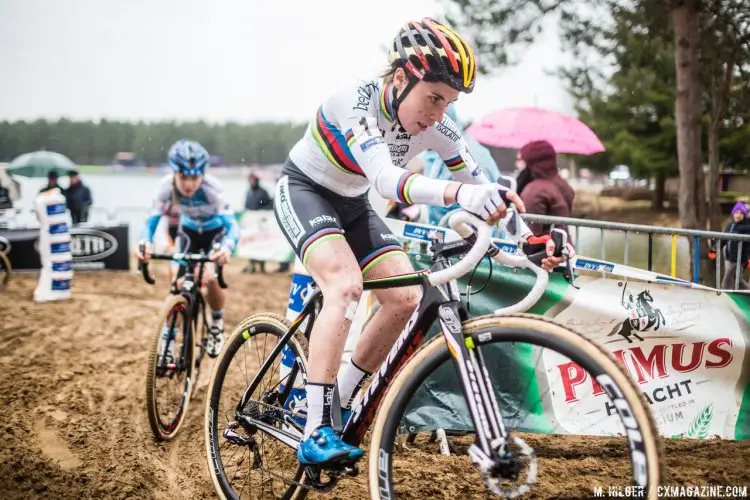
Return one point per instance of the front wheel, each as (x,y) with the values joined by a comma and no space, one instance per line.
(169,378)
(531,363)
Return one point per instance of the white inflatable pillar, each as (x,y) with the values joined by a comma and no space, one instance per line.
(56,276)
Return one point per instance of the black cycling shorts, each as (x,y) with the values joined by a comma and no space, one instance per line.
(198,241)
(309,214)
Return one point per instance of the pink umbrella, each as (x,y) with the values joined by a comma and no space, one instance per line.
(514,128)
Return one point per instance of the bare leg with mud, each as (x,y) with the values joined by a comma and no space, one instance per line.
(334,268)
(396,307)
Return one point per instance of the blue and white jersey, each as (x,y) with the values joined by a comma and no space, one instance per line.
(204,211)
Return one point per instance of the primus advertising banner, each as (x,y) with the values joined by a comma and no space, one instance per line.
(686,349)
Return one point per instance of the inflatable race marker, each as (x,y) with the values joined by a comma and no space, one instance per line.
(54,247)
(300,289)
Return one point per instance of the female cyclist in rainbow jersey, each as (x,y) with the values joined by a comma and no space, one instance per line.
(361,137)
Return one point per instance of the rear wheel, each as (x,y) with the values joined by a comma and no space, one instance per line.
(169,379)
(253,454)
(526,357)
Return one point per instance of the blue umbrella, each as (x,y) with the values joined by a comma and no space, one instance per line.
(40,163)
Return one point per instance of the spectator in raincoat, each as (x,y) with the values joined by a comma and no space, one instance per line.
(540,186)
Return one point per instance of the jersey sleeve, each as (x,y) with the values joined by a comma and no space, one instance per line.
(356,114)
(232,234)
(447,141)
(224,213)
(161,205)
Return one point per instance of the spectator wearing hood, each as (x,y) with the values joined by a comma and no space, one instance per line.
(540,186)
(739,225)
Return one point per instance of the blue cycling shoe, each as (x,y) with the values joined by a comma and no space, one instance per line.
(325,447)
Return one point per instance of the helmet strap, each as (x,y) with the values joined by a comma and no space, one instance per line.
(397,99)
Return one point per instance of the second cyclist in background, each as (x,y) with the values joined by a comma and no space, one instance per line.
(204,215)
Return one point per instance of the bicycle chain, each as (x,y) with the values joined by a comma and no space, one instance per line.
(275,409)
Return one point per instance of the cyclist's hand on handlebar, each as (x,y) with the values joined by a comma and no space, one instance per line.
(483,200)
(221,256)
(144,251)
(556,249)
(551,261)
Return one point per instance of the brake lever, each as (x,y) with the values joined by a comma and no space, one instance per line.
(219,269)
(560,238)
(143,266)
(220,277)
(537,252)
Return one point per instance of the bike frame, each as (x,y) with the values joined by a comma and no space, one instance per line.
(195,302)
(441,303)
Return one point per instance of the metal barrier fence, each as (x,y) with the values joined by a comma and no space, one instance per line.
(575,225)
(136,215)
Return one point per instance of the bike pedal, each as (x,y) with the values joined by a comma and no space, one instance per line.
(339,467)
(351,471)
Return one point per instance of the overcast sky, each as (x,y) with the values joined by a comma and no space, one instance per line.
(220,60)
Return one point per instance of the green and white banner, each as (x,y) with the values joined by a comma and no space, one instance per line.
(261,239)
(686,347)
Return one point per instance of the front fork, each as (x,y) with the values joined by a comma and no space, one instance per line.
(475,382)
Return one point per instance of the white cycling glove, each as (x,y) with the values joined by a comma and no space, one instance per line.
(480,199)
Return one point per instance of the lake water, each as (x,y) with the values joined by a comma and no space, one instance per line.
(113,191)
(127,197)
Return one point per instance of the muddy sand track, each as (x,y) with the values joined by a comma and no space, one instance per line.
(73,421)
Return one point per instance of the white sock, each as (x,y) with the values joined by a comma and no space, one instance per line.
(350,382)
(319,400)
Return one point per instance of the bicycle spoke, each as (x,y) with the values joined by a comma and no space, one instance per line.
(244,361)
(248,479)
(257,354)
(240,461)
(273,365)
(245,483)
(230,459)
(245,377)
(262,470)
